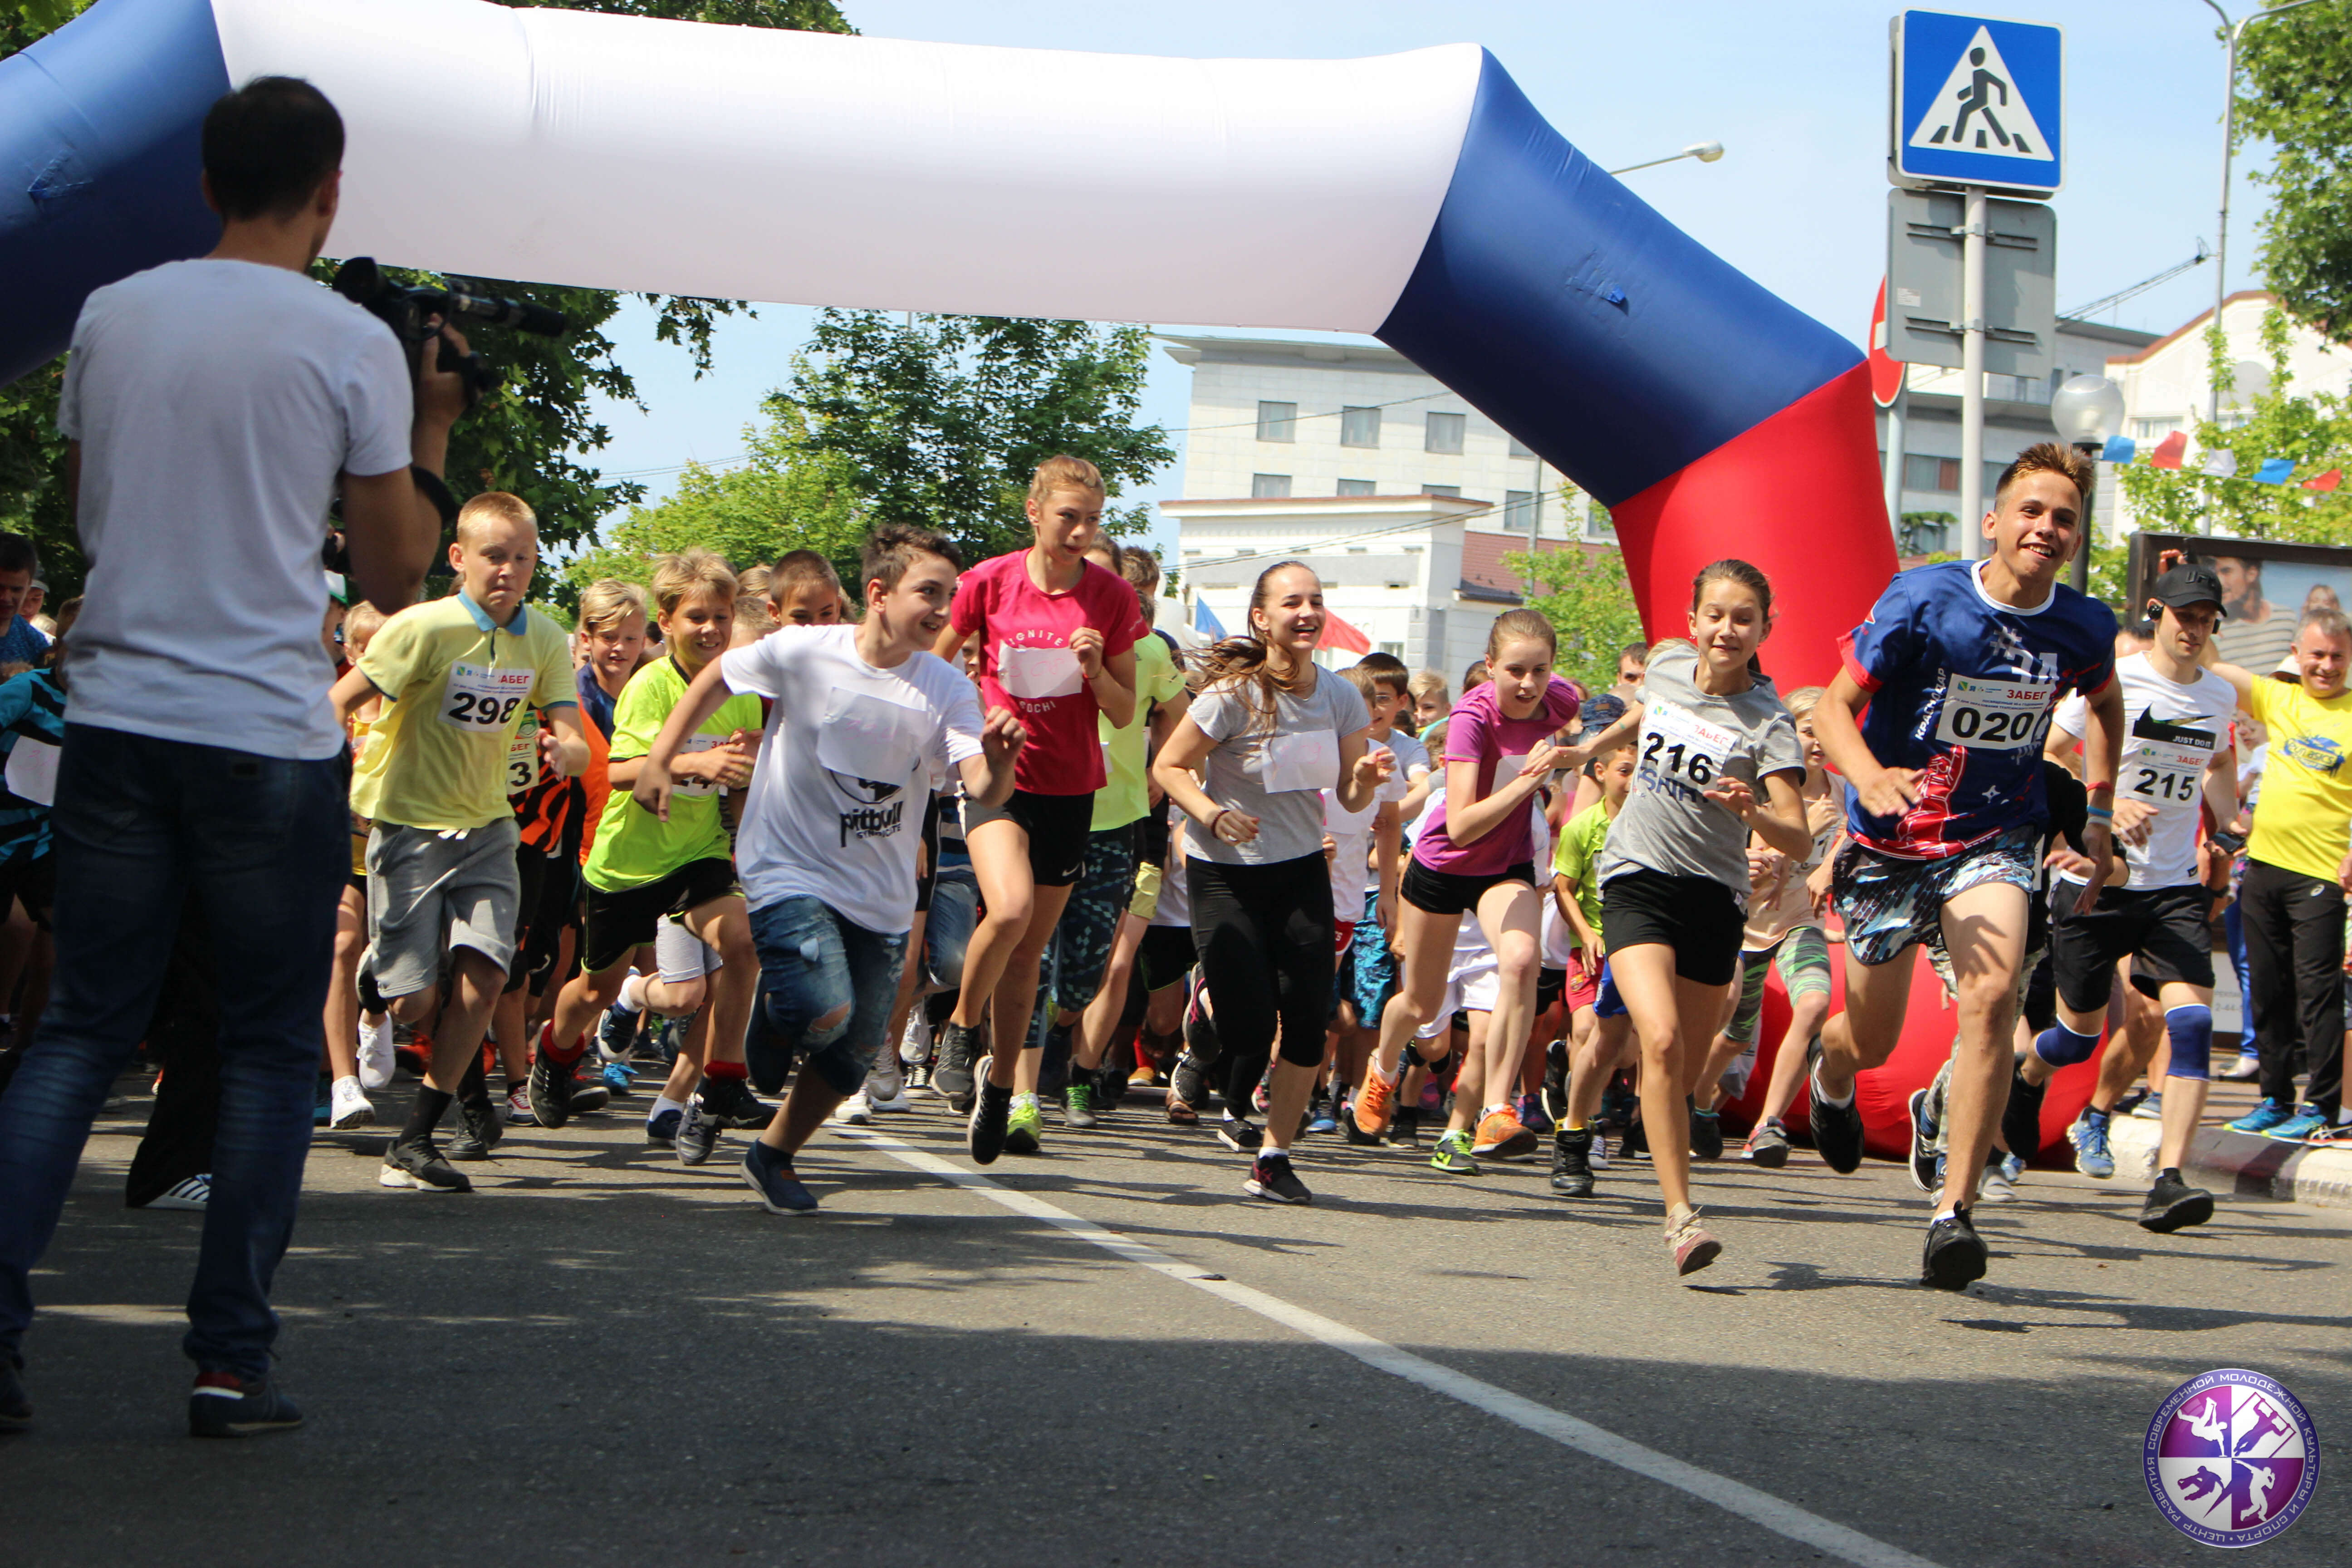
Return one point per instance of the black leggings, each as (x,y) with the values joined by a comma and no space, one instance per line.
(1264,935)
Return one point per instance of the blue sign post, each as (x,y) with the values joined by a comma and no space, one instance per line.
(1977,101)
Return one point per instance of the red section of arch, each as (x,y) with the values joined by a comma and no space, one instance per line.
(1799,496)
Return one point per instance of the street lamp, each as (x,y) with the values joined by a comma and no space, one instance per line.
(2229,147)
(2087,410)
(1705,152)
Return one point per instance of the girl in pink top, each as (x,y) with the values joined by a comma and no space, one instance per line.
(1477,853)
(1056,637)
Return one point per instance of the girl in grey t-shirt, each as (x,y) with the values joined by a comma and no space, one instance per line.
(1719,757)
(1267,734)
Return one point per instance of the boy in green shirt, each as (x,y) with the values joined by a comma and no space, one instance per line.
(1599,1026)
(457,676)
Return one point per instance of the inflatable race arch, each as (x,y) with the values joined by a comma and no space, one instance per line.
(1418,198)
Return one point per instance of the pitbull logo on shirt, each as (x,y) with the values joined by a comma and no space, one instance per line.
(871,817)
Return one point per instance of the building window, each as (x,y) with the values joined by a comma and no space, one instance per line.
(1359,550)
(1520,448)
(1360,427)
(1597,526)
(1277,422)
(1356,487)
(1518,510)
(1441,490)
(1393,649)
(1269,486)
(2153,429)
(1443,433)
(1939,475)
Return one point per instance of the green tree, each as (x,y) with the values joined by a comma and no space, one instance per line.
(2297,94)
(2315,430)
(1589,603)
(940,420)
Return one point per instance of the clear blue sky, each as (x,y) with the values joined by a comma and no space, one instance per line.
(1795,92)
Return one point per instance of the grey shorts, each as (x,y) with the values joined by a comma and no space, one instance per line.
(430,895)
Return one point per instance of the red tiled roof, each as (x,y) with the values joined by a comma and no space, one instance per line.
(1482,558)
(2196,324)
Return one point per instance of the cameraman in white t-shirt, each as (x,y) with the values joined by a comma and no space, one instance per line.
(213,407)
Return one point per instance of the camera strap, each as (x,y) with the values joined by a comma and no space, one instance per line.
(429,483)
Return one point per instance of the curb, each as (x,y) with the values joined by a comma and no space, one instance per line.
(2242,1163)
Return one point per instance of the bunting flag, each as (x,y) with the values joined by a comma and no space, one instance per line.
(2221,463)
(1338,634)
(2119,449)
(2169,451)
(2326,482)
(1205,620)
(2274,470)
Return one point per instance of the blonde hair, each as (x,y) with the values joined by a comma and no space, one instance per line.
(751,582)
(608,602)
(493,506)
(361,624)
(1803,701)
(676,576)
(752,620)
(1063,472)
(1429,682)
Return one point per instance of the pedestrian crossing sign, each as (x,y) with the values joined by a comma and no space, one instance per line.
(1977,101)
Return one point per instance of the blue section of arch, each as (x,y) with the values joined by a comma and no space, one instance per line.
(100,152)
(1581,321)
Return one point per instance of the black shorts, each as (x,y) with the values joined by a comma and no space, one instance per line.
(2162,930)
(550,900)
(34,880)
(620,922)
(1152,837)
(1167,954)
(930,872)
(1549,983)
(1058,827)
(1452,892)
(1698,916)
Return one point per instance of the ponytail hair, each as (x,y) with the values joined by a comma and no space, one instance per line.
(1519,625)
(1728,570)
(1240,662)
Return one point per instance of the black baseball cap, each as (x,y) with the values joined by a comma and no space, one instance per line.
(2191,583)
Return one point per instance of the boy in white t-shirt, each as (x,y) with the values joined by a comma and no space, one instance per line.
(863,716)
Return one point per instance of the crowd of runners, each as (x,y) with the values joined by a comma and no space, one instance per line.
(762,851)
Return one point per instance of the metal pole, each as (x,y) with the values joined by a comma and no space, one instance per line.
(1972,373)
(1894,412)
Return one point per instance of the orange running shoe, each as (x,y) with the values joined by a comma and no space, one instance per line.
(1374,1104)
(1501,1135)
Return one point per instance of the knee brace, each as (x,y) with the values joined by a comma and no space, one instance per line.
(2190,1030)
(2062,1048)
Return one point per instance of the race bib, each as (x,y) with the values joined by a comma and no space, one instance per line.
(2167,771)
(522,755)
(695,787)
(1310,761)
(1035,674)
(33,771)
(484,698)
(1680,747)
(1995,715)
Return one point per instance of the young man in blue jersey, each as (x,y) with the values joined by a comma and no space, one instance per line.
(1960,666)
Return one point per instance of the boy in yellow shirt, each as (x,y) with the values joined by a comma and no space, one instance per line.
(455,675)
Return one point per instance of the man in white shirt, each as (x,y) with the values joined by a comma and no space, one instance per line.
(212,408)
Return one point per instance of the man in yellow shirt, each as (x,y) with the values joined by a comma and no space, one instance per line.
(2299,866)
(456,675)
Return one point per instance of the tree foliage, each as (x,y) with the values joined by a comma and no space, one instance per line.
(2314,429)
(2297,93)
(1589,603)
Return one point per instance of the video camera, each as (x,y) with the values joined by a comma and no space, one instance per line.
(407,311)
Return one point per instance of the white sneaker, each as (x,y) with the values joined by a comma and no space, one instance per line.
(914,1045)
(376,1063)
(857,1110)
(192,1195)
(347,1106)
(888,1094)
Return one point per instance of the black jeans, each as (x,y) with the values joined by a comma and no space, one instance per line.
(1265,938)
(2295,957)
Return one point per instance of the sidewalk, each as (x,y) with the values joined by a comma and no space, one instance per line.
(2238,1162)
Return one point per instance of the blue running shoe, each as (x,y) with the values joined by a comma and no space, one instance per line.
(1323,1120)
(2300,1126)
(2262,1117)
(619,1079)
(2089,1136)
(661,1132)
(770,1173)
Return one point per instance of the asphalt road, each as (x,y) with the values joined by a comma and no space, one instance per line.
(603,1357)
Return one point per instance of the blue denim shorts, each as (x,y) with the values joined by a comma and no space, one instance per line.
(1888,904)
(812,962)
(1367,976)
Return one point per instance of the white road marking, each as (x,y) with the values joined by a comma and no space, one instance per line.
(1733,1497)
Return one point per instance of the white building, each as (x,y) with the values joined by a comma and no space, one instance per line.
(1399,494)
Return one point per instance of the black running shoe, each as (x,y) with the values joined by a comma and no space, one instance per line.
(1571,1162)
(1190,1081)
(1240,1134)
(478,1131)
(1111,1086)
(16,1405)
(226,1405)
(1768,1145)
(1404,1128)
(770,1173)
(661,1129)
(959,1046)
(589,1095)
(2172,1204)
(421,1166)
(2020,1118)
(551,1087)
(1923,1144)
(992,1109)
(1837,1131)
(730,1103)
(1272,1178)
(1555,1081)
(1706,1134)
(1954,1255)
(698,1133)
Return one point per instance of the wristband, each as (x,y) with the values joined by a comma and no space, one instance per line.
(1217,819)
(2101,813)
